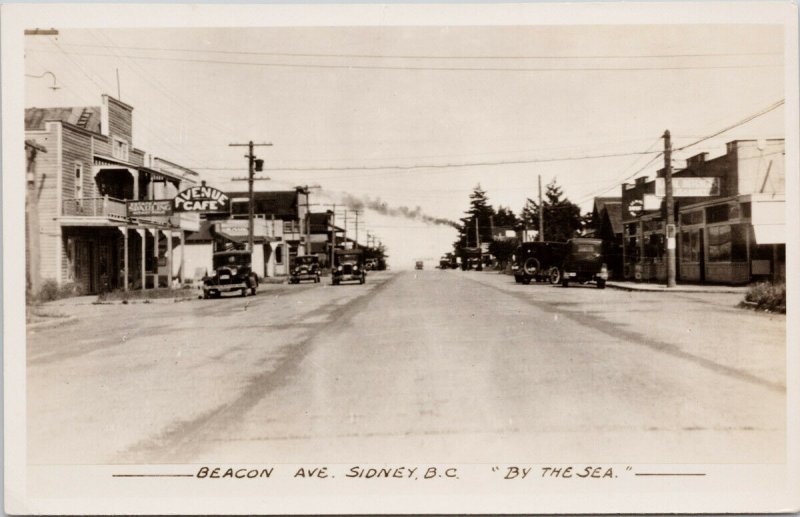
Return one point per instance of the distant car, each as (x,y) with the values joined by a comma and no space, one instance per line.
(232,273)
(540,261)
(348,266)
(306,267)
(583,263)
(418,265)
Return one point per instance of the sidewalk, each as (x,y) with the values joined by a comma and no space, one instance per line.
(680,288)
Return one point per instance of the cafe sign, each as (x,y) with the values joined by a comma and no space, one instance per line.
(201,199)
(150,208)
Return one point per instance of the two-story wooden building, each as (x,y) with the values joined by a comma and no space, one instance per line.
(89,171)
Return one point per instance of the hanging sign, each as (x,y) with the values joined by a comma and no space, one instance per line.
(203,199)
(150,208)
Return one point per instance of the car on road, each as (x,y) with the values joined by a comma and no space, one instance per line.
(233,272)
(583,263)
(306,267)
(538,261)
(348,266)
(419,265)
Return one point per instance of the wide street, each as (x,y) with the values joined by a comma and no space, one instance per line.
(413,366)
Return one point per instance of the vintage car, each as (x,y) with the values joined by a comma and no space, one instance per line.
(418,265)
(471,258)
(583,263)
(348,266)
(538,261)
(306,267)
(232,273)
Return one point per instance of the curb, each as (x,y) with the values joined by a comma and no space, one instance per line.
(55,322)
(673,290)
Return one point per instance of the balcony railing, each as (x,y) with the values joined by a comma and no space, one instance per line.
(108,207)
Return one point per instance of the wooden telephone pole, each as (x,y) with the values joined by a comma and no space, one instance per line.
(670,228)
(253,165)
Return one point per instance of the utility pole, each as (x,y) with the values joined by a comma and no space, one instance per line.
(478,242)
(253,165)
(305,190)
(670,229)
(355,245)
(333,235)
(541,212)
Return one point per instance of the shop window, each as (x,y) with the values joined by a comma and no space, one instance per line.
(279,255)
(654,247)
(717,214)
(746,210)
(631,249)
(719,243)
(631,229)
(739,242)
(733,211)
(690,246)
(695,217)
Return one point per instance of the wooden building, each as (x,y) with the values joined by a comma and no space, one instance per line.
(89,171)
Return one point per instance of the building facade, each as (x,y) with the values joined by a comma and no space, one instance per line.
(729,213)
(89,171)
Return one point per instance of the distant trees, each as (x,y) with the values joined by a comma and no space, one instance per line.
(562,221)
(562,218)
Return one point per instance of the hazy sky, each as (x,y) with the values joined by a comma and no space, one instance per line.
(361,99)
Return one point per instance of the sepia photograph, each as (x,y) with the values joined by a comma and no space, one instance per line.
(515,258)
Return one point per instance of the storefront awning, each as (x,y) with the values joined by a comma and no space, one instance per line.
(770,233)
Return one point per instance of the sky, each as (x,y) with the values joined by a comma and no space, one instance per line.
(417,117)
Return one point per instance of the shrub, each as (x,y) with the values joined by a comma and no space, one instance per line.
(50,291)
(768,296)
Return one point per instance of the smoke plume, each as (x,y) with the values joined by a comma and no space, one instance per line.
(380,206)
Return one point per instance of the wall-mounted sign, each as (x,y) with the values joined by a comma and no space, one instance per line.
(635,207)
(151,208)
(689,187)
(201,199)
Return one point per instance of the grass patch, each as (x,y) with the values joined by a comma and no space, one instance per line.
(766,296)
(50,291)
(149,294)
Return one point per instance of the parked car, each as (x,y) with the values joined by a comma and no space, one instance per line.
(538,261)
(583,263)
(306,267)
(232,272)
(348,266)
(418,265)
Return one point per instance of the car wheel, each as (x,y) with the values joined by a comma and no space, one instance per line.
(205,296)
(531,266)
(517,280)
(555,275)
(601,284)
(564,281)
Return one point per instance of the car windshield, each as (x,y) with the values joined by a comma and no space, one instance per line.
(349,257)
(585,248)
(305,261)
(231,259)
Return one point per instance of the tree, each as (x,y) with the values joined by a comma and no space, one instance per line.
(479,210)
(562,218)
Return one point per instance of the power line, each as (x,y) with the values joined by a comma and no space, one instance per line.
(435,69)
(439,165)
(745,120)
(427,56)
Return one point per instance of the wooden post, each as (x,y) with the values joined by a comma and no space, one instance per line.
(169,258)
(183,257)
(125,268)
(144,259)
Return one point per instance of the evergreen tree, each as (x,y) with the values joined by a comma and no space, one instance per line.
(481,210)
(562,218)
